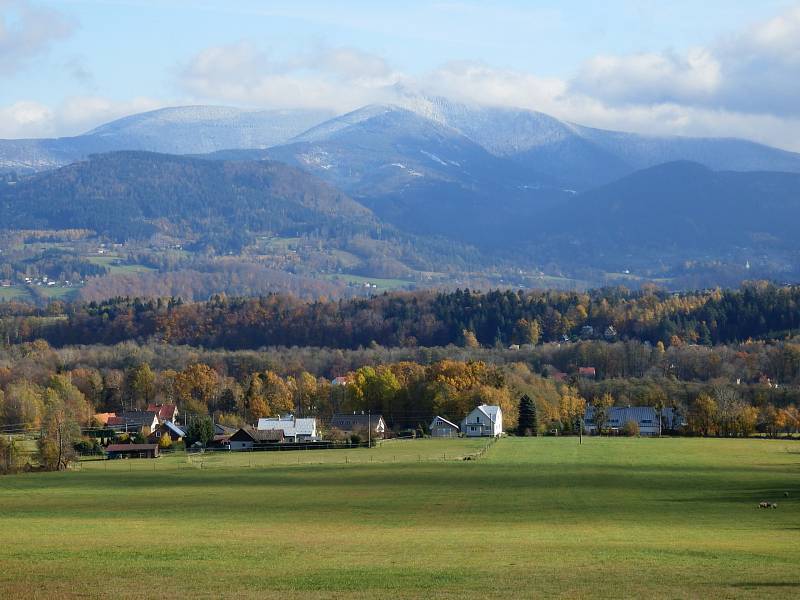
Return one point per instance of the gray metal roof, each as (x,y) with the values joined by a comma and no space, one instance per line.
(617,416)
(291,426)
(174,428)
(490,411)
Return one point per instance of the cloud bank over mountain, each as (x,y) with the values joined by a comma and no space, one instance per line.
(744,83)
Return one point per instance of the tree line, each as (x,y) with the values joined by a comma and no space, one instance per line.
(426,318)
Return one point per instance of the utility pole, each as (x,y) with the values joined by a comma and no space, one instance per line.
(369,429)
(580,431)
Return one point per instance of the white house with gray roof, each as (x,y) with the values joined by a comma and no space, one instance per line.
(484,421)
(294,429)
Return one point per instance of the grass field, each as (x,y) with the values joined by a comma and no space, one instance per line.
(111,263)
(382,284)
(15,292)
(540,517)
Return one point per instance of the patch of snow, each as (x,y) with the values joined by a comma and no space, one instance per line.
(435,158)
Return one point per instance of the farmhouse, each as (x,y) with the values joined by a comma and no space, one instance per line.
(442,428)
(294,430)
(164,412)
(358,423)
(645,417)
(484,421)
(167,427)
(248,438)
(132,451)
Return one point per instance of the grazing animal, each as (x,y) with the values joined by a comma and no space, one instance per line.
(767,505)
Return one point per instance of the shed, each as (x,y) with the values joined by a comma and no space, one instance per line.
(442,428)
(132,451)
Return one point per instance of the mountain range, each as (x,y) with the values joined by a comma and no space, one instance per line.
(491,188)
(559,152)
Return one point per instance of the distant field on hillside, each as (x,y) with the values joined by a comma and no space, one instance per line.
(539,517)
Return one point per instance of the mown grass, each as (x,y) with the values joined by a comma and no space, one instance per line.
(15,292)
(534,518)
(381,284)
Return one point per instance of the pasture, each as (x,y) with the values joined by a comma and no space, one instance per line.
(539,517)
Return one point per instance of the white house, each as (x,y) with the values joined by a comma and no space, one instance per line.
(294,429)
(442,428)
(484,421)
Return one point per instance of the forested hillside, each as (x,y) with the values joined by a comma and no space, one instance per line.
(466,318)
(135,195)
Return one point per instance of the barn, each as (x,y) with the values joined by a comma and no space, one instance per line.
(442,428)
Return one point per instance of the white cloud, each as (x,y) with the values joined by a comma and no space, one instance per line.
(339,78)
(27,30)
(746,84)
(755,71)
(74,116)
(482,84)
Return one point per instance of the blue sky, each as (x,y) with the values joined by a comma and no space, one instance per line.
(716,67)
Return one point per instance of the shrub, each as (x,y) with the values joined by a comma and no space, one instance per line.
(630,428)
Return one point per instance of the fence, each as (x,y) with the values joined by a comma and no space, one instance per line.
(387,452)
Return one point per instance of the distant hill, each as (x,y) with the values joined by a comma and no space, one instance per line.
(679,210)
(417,174)
(134,194)
(179,130)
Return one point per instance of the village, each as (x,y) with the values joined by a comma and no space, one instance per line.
(149,433)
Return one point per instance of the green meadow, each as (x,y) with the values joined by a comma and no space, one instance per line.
(546,517)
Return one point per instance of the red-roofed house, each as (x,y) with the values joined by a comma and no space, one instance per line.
(588,372)
(164,412)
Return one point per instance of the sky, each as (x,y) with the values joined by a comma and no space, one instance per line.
(721,68)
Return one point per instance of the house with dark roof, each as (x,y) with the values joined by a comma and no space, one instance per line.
(134,421)
(220,429)
(359,423)
(248,438)
(175,432)
(483,421)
